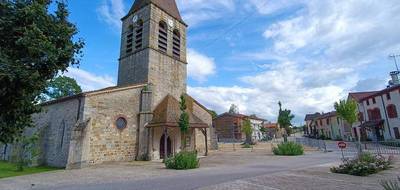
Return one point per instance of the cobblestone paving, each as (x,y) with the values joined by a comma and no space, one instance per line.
(310,179)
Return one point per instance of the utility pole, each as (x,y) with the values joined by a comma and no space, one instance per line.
(394,57)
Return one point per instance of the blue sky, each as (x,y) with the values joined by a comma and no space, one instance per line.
(254,53)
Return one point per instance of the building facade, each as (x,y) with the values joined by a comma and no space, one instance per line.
(137,119)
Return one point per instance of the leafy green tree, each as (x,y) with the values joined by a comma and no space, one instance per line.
(35,45)
(59,87)
(213,113)
(347,110)
(247,130)
(285,119)
(233,109)
(183,120)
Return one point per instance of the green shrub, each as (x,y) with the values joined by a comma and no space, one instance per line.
(183,161)
(288,149)
(246,146)
(366,164)
(391,185)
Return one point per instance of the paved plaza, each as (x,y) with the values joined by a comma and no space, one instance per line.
(240,169)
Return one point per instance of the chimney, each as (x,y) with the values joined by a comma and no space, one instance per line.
(395,78)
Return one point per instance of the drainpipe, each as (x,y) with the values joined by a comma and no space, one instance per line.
(387,118)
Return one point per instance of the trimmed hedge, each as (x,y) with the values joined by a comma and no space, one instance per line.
(183,161)
(288,149)
(366,164)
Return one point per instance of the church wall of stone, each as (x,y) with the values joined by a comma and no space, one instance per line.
(106,142)
(167,75)
(54,126)
(133,67)
(206,117)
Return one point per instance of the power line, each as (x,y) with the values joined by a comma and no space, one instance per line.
(232,27)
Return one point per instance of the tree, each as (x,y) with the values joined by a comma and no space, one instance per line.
(247,130)
(347,110)
(59,87)
(213,113)
(234,109)
(183,121)
(35,45)
(285,119)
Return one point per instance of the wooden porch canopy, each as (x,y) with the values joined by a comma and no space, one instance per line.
(372,124)
(167,114)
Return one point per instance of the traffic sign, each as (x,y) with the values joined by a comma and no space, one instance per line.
(342,145)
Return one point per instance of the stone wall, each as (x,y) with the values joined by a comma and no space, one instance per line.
(108,143)
(206,117)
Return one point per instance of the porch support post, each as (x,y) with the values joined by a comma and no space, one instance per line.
(205,140)
(165,143)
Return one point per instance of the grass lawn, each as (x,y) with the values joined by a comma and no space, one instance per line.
(8,170)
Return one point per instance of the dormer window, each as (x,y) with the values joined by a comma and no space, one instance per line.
(162,37)
(139,35)
(176,50)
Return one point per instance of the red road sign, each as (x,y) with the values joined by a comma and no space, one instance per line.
(342,145)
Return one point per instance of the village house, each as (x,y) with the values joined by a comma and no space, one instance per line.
(379,116)
(138,118)
(272,130)
(228,127)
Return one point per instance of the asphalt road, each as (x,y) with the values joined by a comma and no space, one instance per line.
(213,176)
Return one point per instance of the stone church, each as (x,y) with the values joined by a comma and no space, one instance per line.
(138,118)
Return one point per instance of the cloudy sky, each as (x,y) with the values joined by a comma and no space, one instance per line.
(253,53)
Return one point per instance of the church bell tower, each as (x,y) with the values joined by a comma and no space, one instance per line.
(153,48)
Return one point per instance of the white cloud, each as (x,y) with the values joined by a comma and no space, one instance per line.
(89,81)
(111,12)
(195,12)
(315,57)
(200,66)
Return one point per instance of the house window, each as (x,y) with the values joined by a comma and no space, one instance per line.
(360,117)
(139,35)
(162,37)
(374,114)
(373,100)
(368,102)
(176,45)
(129,40)
(388,96)
(121,123)
(392,112)
(320,122)
(396,132)
(327,121)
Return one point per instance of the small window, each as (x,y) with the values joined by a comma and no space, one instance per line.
(162,37)
(368,102)
(360,117)
(327,121)
(388,96)
(121,123)
(373,100)
(396,132)
(392,112)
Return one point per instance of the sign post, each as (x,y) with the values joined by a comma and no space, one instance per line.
(342,145)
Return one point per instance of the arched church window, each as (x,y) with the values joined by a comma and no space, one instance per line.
(176,48)
(129,39)
(162,36)
(139,35)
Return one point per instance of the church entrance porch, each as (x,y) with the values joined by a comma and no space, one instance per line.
(165,145)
